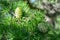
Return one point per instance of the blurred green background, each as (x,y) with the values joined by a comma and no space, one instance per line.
(19,22)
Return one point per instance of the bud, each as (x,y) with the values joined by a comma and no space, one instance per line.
(18,12)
